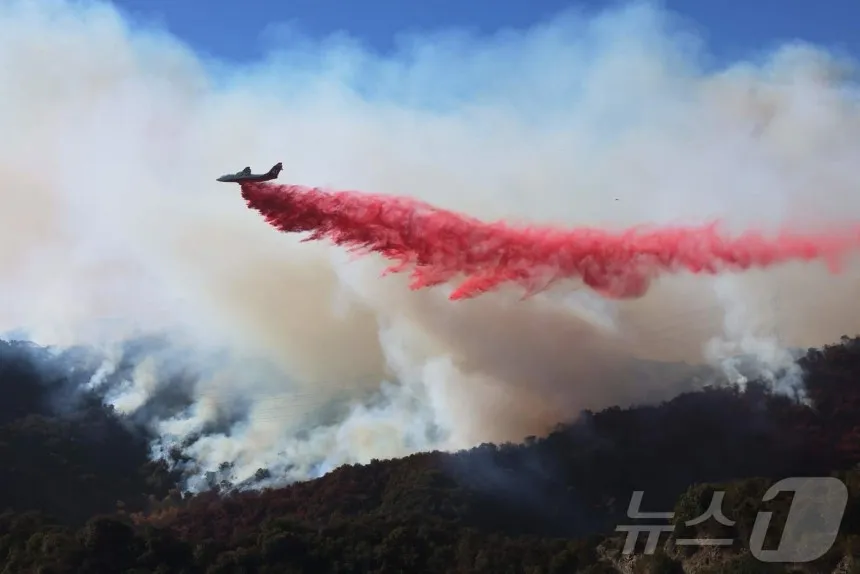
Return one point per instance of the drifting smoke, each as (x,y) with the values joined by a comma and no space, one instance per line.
(253,348)
(442,245)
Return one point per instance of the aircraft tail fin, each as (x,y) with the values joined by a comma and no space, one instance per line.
(276,169)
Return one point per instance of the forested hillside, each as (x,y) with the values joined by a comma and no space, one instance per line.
(82,496)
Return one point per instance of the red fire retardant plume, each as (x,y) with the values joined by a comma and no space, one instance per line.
(439,245)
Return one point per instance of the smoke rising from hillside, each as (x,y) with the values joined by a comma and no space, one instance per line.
(297,358)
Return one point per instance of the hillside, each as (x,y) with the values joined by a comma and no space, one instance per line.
(82,495)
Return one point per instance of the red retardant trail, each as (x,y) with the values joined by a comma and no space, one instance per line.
(440,245)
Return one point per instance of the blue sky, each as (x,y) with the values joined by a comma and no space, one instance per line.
(233,30)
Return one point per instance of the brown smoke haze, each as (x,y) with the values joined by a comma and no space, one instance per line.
(113,225)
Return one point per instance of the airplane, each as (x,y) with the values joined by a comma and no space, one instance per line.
(246,176)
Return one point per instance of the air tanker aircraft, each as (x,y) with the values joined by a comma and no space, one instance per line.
(245,175)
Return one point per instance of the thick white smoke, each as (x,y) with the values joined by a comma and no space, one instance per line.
(297,358)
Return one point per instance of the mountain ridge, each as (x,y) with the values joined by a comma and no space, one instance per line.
(549,504)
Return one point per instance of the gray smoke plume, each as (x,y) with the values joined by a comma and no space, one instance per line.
(252,349)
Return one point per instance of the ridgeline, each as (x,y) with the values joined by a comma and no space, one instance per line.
(82,496)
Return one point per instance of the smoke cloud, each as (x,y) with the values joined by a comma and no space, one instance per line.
(256,349)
